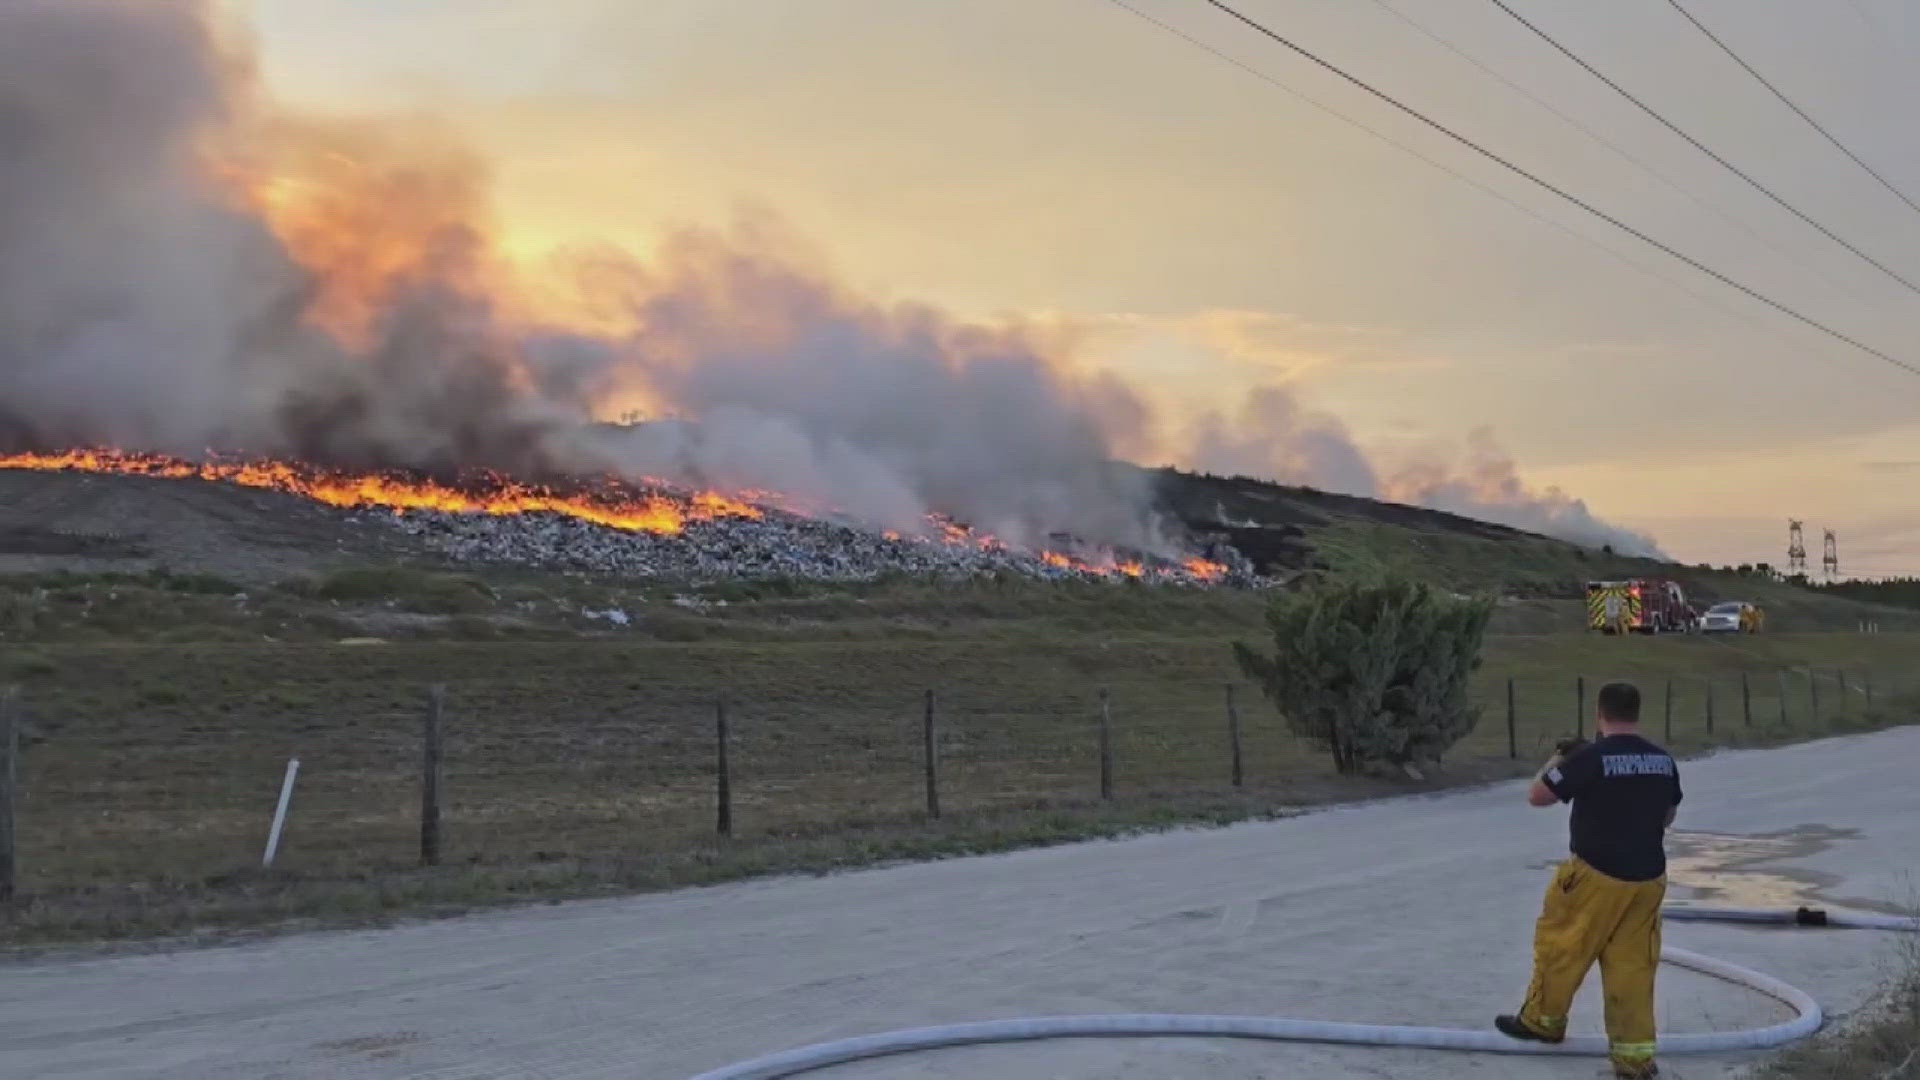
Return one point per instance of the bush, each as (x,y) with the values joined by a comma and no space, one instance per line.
(1375,672)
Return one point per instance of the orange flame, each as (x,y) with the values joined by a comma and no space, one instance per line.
(612,503)
(614,507)
(1209,571)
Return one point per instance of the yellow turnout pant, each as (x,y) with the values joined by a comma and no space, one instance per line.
(1589,916)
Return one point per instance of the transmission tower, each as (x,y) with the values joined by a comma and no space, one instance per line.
(1830,559)
(1796,549)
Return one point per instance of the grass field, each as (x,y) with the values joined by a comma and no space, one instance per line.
(579,766)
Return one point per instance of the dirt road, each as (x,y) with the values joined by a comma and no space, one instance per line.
(1409,911)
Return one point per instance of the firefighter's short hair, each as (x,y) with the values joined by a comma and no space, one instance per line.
(1620,701)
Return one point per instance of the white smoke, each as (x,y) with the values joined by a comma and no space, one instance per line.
(1274,436)
(148,301)
(184,265)
(1489,487)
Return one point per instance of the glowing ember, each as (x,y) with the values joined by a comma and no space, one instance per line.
(613,506)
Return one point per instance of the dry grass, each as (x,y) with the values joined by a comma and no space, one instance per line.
(574,767)
(1883,1043)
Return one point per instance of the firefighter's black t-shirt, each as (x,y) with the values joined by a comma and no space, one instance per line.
(1621,788)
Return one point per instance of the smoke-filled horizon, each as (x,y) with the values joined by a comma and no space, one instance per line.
(185,265)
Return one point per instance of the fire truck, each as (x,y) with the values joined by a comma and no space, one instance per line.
(1638,606)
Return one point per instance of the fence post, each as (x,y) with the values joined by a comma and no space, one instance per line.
(9,773)
(933,762)
(1813,692)
(723,768)
(1513,724)
(1579,704)
(1866,684)
(1106,744)
(430,778)
(280,813)
(1746,699)
(1669,710)
(1786,721)
(1709,706)
(1233,736)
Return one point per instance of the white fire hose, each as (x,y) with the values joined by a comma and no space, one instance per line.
(1806,1020)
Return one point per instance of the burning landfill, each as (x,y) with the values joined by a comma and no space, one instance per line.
(615,527)
(186,263)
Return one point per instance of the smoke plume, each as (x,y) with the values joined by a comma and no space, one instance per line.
(1274,436)
(186,265)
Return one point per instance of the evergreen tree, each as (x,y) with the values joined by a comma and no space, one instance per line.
(1374,672)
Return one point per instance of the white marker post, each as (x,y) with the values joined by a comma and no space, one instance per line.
(280,814)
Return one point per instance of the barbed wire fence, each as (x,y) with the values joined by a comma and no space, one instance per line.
(396,776)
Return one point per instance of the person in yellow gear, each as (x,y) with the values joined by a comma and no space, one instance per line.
(1604,901)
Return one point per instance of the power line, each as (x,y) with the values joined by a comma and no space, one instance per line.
(1788,102)
(1700,146)
(1585,129)
(1484,189)
(1575,200)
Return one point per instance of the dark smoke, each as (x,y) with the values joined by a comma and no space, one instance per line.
(144,304)
(185,267)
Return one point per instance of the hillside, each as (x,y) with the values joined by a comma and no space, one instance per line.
(1292,529)
(217,561)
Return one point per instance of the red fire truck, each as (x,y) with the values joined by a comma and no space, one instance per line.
(1638,606)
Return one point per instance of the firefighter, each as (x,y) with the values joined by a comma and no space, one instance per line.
(1616,606)
(1604,901)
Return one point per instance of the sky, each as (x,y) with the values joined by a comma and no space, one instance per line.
(1068,159)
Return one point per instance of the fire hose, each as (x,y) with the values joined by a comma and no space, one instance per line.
(1806,1020)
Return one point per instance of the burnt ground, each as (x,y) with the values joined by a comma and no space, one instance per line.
(92,523)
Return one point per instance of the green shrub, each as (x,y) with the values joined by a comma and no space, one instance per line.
(1374,672)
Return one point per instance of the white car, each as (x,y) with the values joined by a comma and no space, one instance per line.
(1722,618)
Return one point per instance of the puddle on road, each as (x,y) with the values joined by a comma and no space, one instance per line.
(1742,870)
(1745,871)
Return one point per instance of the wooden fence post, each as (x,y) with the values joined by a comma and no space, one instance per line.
(933,762)
(1840,684)
(1669,735)
(1709,707)
(723,768)
(1513,724)
(1866,684)
(1233,736)
(1786,721)
(1579,704)
(1106,744)
(9,774)
(1746,699)
(430,778)
(1813,692)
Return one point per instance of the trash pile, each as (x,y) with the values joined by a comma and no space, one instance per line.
(778,544)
